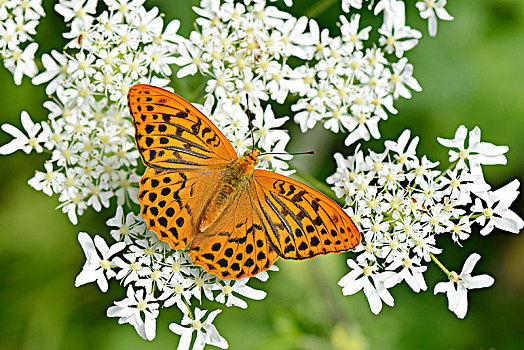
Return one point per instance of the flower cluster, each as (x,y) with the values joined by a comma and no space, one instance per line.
(88,131)
(18,22)
(402,203)
(343,82)
(157,276)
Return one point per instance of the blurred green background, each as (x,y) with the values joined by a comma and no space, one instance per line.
(472,73)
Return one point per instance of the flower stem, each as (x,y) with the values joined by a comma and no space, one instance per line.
(190,313)
(451,166)
(439,264)
(319,8)
(319,185)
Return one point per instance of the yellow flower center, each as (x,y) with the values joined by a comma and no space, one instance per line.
(135,266)
(124,230)
(67,153)
(463,154)
(395,203)
(142,305)
(391,41)
(454,276)
(105,264)
(84,92)
(394,78)
(95,190)
(155,275)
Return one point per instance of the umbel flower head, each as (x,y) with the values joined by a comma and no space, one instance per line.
(402,204)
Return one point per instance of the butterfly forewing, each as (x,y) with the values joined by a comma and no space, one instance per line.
(171,134)
(301,221)
(236,245)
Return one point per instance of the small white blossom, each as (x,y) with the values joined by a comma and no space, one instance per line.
(206,332)
(131,309)
(457,288)
(97,267)
(496,212)
(35,136)
(431,10)
(477,152)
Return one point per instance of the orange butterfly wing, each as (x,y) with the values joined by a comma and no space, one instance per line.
(186,155)
(173,201)
(301,221)
(171,134)
(237,245)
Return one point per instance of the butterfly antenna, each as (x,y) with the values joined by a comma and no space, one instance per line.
(249,116)
(292,154)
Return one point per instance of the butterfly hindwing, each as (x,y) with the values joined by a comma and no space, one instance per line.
(172,202)
(302,222)
(236,245)
(171,134)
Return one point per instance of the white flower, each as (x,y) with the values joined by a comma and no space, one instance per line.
(399,147)
(351,34)
(132,269)
(266,124)
(348,4)
(498,214)
(130,310)
(206,331)
(21,141)
(457,287)
(361,279)
(55,72)
(477,152)
(22,63)
(76,9)
(97,268)
(227,297)
(411,272)
(430,10)
(401,78)
(48,182)
(398,39)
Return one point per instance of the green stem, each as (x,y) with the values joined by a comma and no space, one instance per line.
(439,264)
(319,185)
(319,8)
(451,166)
(189,310)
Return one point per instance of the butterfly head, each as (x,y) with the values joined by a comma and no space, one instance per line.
(252,156)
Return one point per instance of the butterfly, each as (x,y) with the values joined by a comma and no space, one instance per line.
(197,193)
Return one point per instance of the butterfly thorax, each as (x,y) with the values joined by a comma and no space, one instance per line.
(238,174)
